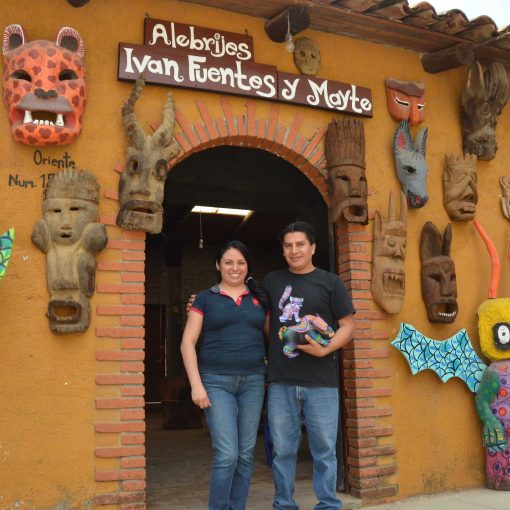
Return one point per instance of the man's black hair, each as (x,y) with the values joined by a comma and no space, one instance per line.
(298,226)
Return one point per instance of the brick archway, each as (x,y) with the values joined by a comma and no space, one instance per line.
(120,296)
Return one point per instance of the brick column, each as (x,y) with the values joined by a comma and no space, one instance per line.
(371,464)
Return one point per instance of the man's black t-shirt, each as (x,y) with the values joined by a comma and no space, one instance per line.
(292,296)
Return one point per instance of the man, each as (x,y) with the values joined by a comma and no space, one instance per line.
(305,386)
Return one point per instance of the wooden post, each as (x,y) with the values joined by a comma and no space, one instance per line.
(449,58)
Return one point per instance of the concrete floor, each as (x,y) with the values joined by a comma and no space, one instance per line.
(178,467)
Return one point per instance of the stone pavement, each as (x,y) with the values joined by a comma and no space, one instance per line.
(178,464)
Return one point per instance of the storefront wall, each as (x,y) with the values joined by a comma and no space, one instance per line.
(72,426)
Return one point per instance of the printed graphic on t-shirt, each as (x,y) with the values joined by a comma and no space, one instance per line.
(290,311)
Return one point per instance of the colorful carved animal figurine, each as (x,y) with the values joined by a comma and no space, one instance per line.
(411,165)
(313,326)
(493,395)
(142,183)
(6,240)
(44,87)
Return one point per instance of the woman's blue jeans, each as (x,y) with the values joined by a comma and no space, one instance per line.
(233,421)
(287,405)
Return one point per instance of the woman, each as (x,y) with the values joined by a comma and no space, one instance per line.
(227,379)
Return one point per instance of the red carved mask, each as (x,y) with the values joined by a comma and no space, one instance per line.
(406,101)
(45,90)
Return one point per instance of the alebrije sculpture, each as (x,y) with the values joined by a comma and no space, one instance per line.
(438,277)
(142,183)
(347,182)
(45,90)
(493,396)
(483,99)
(389,251)
(307,56)
(406,100)
(71,238)
(411,165)
(504,182)
(460,194)
(6,241)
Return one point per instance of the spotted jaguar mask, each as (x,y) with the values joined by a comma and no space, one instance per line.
(44,87)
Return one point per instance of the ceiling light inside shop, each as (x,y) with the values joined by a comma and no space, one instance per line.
(220,210)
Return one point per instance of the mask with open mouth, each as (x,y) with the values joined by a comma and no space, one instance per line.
(45,90)
(142,183)
(438,277)
(460,194)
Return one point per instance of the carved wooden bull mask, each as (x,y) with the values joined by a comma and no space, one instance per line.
(70,237)
(345,155)
(388,273)
(483,99)
(438,277)
(460,195)
(406,100)
(142,184)
(45,90)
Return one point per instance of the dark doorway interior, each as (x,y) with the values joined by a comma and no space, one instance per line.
(233,177)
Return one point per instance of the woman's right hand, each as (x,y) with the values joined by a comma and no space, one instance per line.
(200,398)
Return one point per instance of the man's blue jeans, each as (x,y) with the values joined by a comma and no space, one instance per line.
(233,420)
(319,407)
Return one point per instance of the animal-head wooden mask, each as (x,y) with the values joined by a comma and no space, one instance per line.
(438,277)
(45,90)
(142,183)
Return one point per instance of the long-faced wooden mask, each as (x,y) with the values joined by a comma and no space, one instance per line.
(142,184)
(438,278)
(483,100)
(406,100)
(504,182)
(71,237)
(345,155)
(460,195)
(388,274)
(411,166)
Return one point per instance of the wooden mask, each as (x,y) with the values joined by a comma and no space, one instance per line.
(411,165)
(504,182)
(142,183)
(438,278)
(460,195)
(347,183)
(406,100)
(45,90)
(483,99)
(71,238)
(388,272)
(307,56)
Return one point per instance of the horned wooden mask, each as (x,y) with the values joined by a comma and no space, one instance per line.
(459,186)
(406,100)
(307,56)
(388,274)
(483,99)
(411,165)
(438,278)
(45,90)
(71,237)
(142,184)
(345,155)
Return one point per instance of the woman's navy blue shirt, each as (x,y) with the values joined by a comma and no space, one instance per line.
(232,333)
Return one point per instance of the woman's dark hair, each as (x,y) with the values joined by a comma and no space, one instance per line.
(298,226)
(253,285)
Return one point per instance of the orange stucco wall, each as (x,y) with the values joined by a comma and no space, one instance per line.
(48,382)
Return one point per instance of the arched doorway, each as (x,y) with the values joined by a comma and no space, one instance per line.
(180,261)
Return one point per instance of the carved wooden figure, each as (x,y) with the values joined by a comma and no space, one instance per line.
(388,272)
(142,184)
(45,89)
(347,183)
(438,277)
(406,100)
(70,237)
(504,182)
(307,56)
(483,99)
(411,166)
(460,194)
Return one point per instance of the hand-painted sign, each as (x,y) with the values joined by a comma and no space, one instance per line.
(200,58)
